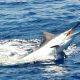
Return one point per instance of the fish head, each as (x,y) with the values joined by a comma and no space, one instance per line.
(64,39)
(72,33)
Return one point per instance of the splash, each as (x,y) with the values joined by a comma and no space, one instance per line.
(72,50)
(12,51)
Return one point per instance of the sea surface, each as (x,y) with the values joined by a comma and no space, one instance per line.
(22,24)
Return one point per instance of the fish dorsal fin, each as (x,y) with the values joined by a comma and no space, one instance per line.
(48,36)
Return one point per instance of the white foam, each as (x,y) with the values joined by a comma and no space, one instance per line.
(72,49)
(73,53)
(11,51)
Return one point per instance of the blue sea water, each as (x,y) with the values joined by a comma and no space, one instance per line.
(28,20)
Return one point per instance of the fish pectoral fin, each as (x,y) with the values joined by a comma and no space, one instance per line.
(56,46)
(48,36)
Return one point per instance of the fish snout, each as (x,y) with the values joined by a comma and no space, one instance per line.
(69,32)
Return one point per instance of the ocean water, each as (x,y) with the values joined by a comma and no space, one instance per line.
(22,24)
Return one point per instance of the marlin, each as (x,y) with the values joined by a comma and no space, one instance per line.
(52,48)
